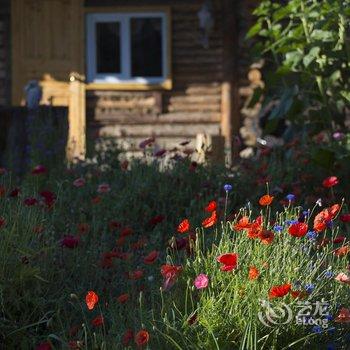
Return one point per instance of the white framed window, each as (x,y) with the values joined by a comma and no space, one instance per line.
(128,47)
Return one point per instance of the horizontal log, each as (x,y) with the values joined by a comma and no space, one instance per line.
(170,118)
(214,99)
(163,130)
(193,108)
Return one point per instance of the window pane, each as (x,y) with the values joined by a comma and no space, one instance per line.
(108,47)
(146,47)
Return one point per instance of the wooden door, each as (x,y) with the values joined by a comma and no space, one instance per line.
(48,44)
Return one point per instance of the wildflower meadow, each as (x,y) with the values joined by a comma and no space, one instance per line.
(173,255)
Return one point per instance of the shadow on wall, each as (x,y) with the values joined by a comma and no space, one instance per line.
(29,138)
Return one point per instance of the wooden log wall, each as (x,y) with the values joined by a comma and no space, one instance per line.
(4,52)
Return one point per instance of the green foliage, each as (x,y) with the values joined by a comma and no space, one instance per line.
(306,48)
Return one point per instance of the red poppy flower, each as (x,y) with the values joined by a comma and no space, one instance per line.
(2,222)
(114,225)
(266,200)
(44,346)
(39,169)
(14,193)
(211,206)
(339,239)
(184,226)
(123,298)
(211,221)
(345,218)
(229,261)
(98,321)
(151,257)
(49,198)
(83,228)
(136,275)
(266,236)
(242,224)
(156,220)
(126,231)
(253,273)
(298,294)
(30,201)
(96,200)
(124,165)
(298,229)
(141,337)
(330,181)
(91,299)
(279,291)
(170,274)
(127,337)
(70,241)
(342,251)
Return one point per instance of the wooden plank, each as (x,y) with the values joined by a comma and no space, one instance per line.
(187,129)
(76,144)
(167,118)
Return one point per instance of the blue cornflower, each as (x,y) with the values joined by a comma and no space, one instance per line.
(278,228)
(329,317)
(329,274)
(330,346)
(330,224)
(311,235)
(290,197)
(291,222)
(309,288)
(317,329)
(305,213)
(228,188)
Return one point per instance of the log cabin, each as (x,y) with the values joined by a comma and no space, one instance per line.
(131,69)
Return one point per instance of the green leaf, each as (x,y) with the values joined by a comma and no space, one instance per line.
(322,35)
(311,56)
(345,94)
(255,29)
(293,58)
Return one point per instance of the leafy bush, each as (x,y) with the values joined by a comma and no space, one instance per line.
(306,48)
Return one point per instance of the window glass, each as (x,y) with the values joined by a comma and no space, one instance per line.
(146,47)
(108,47)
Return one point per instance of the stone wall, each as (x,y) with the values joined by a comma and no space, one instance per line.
(4,52)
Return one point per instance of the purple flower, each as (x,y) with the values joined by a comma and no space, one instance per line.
(201,281)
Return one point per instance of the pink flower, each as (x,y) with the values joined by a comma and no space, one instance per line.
(103,188)
(201,281)
(343,278)
(80,182)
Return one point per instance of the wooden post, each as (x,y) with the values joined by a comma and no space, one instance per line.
(76,144)
(230,119)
